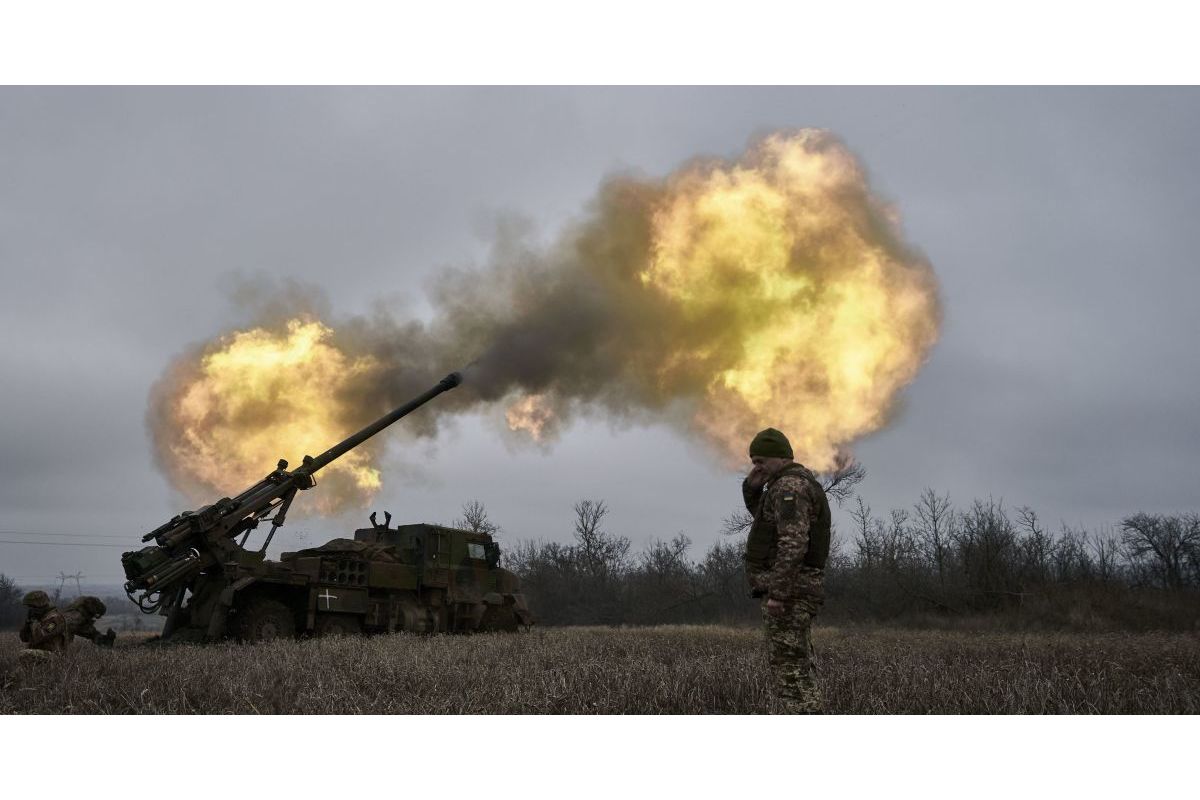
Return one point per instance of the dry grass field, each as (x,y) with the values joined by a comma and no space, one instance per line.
(673,670)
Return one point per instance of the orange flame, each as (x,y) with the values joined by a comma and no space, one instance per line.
(532,415)
(257,391)
(828,325)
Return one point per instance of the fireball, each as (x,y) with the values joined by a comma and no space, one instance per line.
(788,257)
(257,395)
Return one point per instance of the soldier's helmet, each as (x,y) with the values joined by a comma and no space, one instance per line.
(92,606)
(36,599)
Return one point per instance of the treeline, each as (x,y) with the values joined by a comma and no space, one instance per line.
(12,613)
(932,560)
(935,558)
(596,579)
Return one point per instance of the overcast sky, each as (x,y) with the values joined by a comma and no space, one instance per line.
(1062,224)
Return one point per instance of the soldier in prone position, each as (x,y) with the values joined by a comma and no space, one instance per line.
(81,616)
(785,562)
(45,627)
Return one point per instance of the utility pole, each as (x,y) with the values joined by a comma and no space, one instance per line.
(62,580)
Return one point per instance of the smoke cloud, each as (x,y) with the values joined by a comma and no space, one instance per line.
(776,290)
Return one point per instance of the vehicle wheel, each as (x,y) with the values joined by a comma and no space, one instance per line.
(338,625)
(265,619)
(499,618)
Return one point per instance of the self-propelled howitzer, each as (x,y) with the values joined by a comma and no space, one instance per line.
(197,555)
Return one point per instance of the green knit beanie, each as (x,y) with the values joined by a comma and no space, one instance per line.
(770,444)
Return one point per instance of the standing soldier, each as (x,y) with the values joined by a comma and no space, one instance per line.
(785,562)
(45,627)
(81,616)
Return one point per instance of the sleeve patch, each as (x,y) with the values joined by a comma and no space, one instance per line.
(787,506)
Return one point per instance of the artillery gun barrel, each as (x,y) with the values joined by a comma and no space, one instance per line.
(346,445)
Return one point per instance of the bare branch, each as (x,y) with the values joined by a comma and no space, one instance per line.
(603,555)
(847,473)
(737,523)
(475,518)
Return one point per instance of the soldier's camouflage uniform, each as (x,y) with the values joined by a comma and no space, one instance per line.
(81,615)
(785,560)
(46,629)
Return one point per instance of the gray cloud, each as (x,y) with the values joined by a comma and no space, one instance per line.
(1060,223)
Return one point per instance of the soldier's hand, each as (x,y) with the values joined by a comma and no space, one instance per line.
(757,477)
(775,607)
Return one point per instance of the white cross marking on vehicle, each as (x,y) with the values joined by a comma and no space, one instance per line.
(327,597)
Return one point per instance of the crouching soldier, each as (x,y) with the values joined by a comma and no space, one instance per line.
(45,627)
(81,616)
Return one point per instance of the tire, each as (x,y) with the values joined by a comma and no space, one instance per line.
(499,618)
(338,625)
(265,619)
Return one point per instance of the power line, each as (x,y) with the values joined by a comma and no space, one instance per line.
(55,577)
(65,544)
(81,535)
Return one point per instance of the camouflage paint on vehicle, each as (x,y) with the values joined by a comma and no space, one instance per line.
(417,578)
(420,578)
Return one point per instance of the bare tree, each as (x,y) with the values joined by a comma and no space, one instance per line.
(663,560)
(603,555)
(1070,557)
(839,482)
(737,523)
(10,602)
(588,516)
(1192,547)
(934,531)
(868,535)
(475,518)
(668,580)
(1036,546)
(1106,549)
(900,539)
(724,571)
(1167,540)
(986,545)
(837,555)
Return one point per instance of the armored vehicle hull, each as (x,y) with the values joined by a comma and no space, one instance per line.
(416,578)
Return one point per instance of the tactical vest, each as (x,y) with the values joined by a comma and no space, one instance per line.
(761,543)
